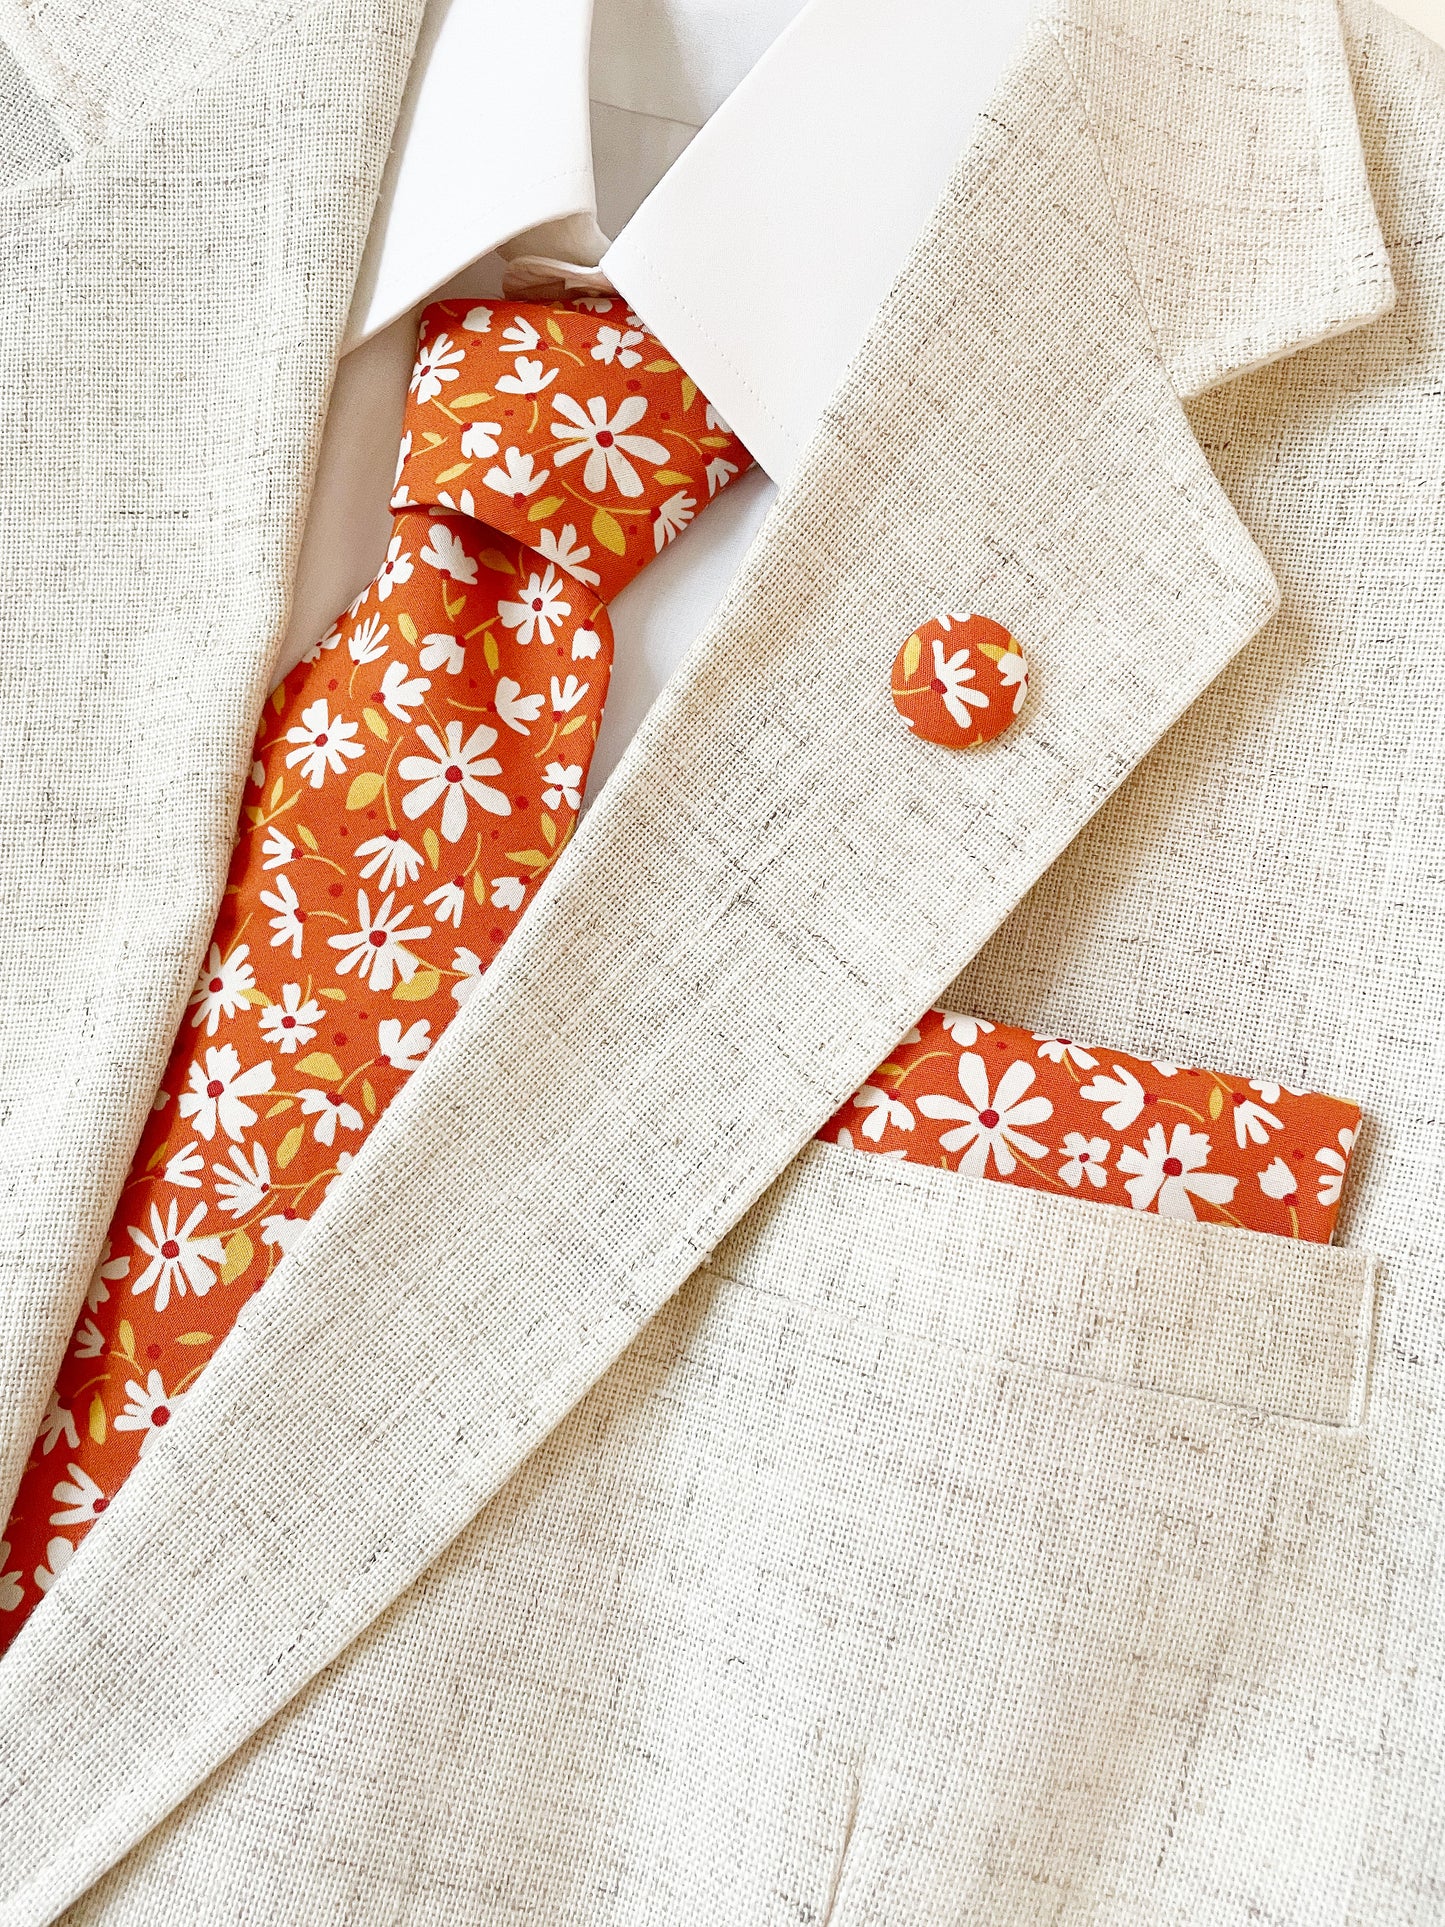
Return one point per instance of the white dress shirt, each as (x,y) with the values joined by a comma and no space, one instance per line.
(698,132)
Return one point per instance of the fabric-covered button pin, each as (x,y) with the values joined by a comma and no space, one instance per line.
(959,680)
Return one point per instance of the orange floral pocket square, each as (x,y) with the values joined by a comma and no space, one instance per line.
(1047,1113)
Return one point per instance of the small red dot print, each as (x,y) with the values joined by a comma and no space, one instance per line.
(153,1351)
(338,1037)
(496,936)
(333,889)
(333,684)
(520,801)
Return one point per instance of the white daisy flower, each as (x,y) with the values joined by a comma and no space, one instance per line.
(79,1498)
(566,695)
(1170,1174)
(402,1050)
(329,1110)
(376,950)
(585,645)
(448,901)
(1332,1178)
(606,441)
(149,1408)
(515,709)
(59,1552)
(468,966)
(222,986)
(177,1260)
(518,478)
(182,1166)
(242,1184)
(453,772)
(57,1422)
(539,610)
(282,1229)
(1123,1093)
(672,518)
(89,1340)
(566,781)
(324,743)
(392,856)
(292,1022)
(108,1271)
(368,640)
(435,363)
(444,551)
(519,337)
(396,568)
(439,651)
(529,377)
(619,345)
(277,849)
(399,694)
(1056,1049)
(568,553)
(479,440)
(719,473)
(217,1093)
(882,1110)
(1084,1157)
(991,1123)
(1276,1180)
(289,922)
(509,893)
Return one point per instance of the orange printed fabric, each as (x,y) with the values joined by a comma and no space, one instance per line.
(414,779)
(1053,1115)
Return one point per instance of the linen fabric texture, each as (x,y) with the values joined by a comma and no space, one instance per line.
(944,1551)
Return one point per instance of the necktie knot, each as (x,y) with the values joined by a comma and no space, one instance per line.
(564,425)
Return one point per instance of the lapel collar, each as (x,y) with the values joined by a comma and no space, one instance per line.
(774,884)
(1227,137)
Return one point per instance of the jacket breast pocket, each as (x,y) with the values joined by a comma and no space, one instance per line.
(1272,1326)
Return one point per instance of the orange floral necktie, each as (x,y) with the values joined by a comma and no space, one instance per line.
(415,777)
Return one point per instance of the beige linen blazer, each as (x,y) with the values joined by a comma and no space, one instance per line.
(617,1510)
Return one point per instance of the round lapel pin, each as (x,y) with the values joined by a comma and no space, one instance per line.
(959,680)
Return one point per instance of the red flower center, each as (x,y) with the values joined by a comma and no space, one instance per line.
(378,937)
(215,1087)
(537,602)
(520,496)
(161,1415)
(170,1249)
(938,688)
(215,983)
(288,1023)
(604,438)
(100,1506)
(988,1119)
(452,773)
(1173,1168)
(321,739)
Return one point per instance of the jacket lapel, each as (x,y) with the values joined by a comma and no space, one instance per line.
(774,884)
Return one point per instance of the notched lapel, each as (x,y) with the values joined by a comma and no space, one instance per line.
(776,881)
